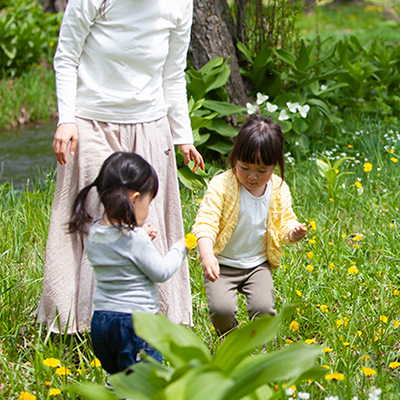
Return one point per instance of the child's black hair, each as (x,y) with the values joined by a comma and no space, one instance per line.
(121,174)
(260,140)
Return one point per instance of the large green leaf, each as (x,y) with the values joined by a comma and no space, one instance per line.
(91,391)
(303,58)
(190,179)
(253,335)
(224,129)
(177,343)
(222,108)
(219,144)
(199,384)
(283,364)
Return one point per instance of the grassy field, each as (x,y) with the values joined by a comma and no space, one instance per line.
(368,21)
(344,278)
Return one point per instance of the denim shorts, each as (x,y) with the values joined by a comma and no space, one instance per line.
(115,343)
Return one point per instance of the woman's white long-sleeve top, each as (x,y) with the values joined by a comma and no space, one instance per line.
(123,61)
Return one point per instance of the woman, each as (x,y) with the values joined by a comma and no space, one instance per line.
(121,87)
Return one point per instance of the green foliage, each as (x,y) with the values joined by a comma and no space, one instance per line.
(336,80)
(232,374)
(27,36)
(208,108)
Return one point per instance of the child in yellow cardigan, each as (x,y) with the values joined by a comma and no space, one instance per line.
(244,216)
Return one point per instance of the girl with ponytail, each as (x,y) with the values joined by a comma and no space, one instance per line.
(126,264)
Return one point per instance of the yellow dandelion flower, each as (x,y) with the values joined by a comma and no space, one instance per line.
(312,241)
(310,341)
(313,225)
(394,159)
(337,376)
(357,237)
(324,308)
(344,236)
(342,321)
(332,200)
(325,366)
(391,151)
(51,44)
(359,333)
(294,326)
(54,392)
(383,318)
(190,241)
(47,384)
(63,371)
(396,292)
(309,268)
(346,344)
(394,365)
(331,266)
(95,363)
(392,225)
(368,371)
(330,243)
(365,357)
(336,171)
(310,255)
(299,293)
(367,167)
(352,270)
(289,341)
(358,184)
(26,396)
(327,350)
(350,146)
(396,323)
(51,362)
(212,329)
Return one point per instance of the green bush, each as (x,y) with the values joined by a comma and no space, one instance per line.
(27,36)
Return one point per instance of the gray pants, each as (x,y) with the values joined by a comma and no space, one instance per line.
(255,283)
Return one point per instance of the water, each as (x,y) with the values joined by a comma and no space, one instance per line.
(26,154)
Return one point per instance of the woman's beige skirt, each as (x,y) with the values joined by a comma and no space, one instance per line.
(66,303)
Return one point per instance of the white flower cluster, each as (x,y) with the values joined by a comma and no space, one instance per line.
(283,116)
(375,393)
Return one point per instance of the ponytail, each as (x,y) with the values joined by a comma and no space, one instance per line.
(80,218)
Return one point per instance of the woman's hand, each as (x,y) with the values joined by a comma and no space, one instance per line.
(191,154)
(65,134)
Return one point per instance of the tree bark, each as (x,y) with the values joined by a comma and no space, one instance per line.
(211,38)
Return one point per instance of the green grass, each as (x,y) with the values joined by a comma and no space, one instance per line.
(367,22)
(344,277)
(30,98)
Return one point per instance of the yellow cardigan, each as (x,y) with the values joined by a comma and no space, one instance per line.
(219,210)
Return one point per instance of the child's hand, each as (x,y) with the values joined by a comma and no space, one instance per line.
(152,232)
(298,233)
(210,268)
(183,242)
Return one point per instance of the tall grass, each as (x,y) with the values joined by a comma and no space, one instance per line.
(30,98)
(344,278)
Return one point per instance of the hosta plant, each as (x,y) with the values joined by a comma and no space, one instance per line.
(192,373)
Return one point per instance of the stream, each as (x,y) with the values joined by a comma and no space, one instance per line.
(26,154)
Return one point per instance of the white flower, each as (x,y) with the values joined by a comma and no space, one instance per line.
(374,393)
(261,98)
(303,110)
(271,107)
(283,116)
(292,106)
(303,395)
(332,398)
(251,109)
(289,391)
(355,398)
(324,87)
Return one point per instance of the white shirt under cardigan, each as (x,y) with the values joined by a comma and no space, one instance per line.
(127,267)
(125,64)
(246,247)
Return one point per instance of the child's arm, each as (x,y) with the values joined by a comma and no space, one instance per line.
(297,233)
(208,260)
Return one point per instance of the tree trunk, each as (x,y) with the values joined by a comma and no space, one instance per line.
(211,38)
(54,6)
